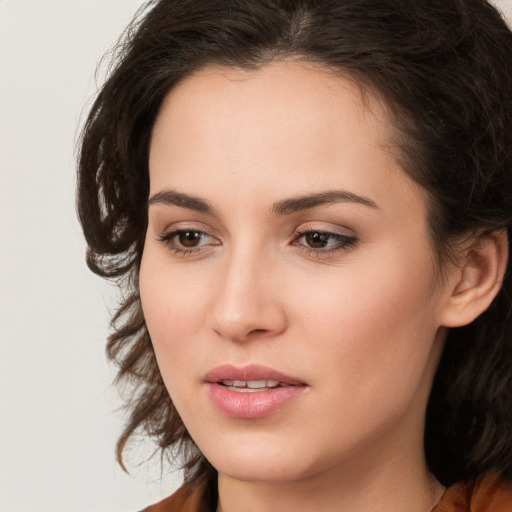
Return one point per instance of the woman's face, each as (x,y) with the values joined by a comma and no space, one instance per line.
(287,279)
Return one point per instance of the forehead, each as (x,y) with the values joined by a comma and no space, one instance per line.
(278,104)
(287,128)
(303,88)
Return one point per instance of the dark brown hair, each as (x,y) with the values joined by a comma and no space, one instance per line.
(444,69)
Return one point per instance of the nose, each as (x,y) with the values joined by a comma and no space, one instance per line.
(246,303)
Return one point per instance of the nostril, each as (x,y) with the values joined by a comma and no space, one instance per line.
(257,331)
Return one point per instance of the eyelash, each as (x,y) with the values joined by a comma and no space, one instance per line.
(168,239)
(344,242)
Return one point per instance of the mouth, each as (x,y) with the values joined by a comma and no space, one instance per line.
(251,392)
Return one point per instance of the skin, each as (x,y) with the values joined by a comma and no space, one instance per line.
(360,322)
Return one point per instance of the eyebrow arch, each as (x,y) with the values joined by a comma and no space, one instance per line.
(171,197)
(281,208)
(298,204)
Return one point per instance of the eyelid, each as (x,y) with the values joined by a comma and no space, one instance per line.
(324,228)
(184,225)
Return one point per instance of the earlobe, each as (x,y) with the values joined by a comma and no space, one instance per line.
(479,279)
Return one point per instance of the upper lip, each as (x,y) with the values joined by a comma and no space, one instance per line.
(250,372)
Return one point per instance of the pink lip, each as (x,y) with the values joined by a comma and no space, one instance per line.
(249,372)
(254,405)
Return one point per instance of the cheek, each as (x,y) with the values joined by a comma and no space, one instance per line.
(170,294)
(375,322)
(173,313)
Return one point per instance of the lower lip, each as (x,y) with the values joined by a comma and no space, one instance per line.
(259,404)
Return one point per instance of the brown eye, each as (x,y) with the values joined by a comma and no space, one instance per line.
(189,238)
(188,241)
(324,242)
(317,240)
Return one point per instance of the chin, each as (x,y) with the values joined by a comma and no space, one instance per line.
(262,463)
(271,472)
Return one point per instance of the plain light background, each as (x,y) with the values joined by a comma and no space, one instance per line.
(58,419)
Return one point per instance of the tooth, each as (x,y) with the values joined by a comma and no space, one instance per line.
(250,386)
(253,384)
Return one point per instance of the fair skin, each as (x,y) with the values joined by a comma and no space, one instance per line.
(339,291)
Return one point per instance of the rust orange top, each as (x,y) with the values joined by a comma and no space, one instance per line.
(487,494)
(185,499)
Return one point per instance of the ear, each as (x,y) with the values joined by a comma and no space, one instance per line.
(473,286)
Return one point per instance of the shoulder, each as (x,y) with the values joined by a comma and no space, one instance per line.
(186,499)
(486,494)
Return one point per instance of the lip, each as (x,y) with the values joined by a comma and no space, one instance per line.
(259,404)
(249,372)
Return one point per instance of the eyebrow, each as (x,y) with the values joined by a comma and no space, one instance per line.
(281,208)
(307,202)
(171,197)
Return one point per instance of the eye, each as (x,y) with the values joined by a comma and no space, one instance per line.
(189,238)
(319,241)
(185,241)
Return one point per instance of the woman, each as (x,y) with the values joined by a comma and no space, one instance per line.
(306,204)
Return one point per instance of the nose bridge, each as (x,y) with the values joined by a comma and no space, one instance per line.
(245,302)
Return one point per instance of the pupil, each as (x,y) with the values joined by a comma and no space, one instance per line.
(189,238)
(317,240)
